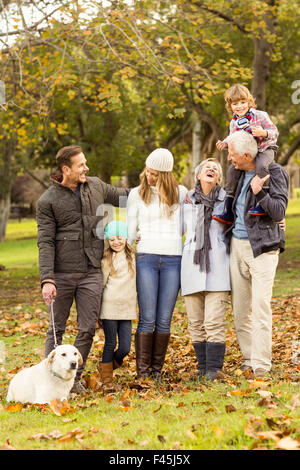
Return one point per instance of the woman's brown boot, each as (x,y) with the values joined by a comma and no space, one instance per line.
(159,349)
(143,352)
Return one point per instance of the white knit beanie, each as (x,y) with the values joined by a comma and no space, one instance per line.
(160,160)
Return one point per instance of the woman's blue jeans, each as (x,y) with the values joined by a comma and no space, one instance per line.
(158,283)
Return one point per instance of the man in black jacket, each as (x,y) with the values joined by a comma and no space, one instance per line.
(255,245)
(70,247)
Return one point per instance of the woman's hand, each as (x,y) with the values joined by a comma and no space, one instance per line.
(221,145)
(187,200)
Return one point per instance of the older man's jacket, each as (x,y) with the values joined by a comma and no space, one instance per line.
(69,230)
(263,232)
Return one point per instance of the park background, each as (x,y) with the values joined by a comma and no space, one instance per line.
(121,78)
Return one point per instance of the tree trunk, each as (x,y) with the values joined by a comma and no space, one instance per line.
(6,178)
(4,213)
(196,149)
(262,61)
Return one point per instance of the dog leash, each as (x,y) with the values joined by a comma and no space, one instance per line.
(53,324)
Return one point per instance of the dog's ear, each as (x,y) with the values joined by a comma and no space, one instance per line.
(50,357)
(80,360)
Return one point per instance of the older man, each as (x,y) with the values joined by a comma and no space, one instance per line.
(70,250)
(255,246)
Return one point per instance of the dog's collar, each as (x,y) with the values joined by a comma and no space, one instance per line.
(58,376)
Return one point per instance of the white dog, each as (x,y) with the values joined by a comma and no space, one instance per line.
(49,380)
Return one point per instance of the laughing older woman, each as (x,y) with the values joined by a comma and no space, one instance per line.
(205,280)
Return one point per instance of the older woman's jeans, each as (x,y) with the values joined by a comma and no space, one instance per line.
(158,283)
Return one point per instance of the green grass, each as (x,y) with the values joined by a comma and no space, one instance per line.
(25,229)
(293,207)
(180,414)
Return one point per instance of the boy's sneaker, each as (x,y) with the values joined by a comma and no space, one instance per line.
(226,217)
(257,210)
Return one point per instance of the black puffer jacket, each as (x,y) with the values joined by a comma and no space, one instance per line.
(69,233)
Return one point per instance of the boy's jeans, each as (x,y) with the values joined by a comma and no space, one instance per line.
(158,283)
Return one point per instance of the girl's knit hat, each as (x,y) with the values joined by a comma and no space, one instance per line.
(116,228)
(160,160)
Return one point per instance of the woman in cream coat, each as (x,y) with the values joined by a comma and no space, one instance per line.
(205,281)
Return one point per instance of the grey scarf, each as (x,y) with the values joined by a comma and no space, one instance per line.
(206,204)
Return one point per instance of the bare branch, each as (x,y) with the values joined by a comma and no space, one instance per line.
(223,16)
(295,145)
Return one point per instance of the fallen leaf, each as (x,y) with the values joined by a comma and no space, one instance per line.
(70,436)
(264,393)
(7,446)
(287,443)
(253,426)
(17,407)
(59,407)
(176,445)
(126,394)
(191,435)
(92,381)
(259,383)
(266,435)
(124,408)
(295,400)
(230,408)
(159,408)
(218,431)
(144,443)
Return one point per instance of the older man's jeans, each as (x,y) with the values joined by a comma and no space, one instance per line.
(158,283)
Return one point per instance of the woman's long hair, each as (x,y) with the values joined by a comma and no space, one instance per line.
(168,192)
(130,255)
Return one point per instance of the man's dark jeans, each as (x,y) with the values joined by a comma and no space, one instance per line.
(86,289)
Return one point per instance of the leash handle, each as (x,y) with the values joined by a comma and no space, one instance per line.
(53,324)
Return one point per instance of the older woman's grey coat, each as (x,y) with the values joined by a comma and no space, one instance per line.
(192,280)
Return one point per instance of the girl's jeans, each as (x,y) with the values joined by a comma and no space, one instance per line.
(158,283)
(112,329)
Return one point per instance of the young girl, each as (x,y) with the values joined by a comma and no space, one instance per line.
(118,301)
(241,105)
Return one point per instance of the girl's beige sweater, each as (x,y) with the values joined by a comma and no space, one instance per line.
(119,296)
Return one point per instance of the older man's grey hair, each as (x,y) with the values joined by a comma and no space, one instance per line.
(243,142)
(201,164)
